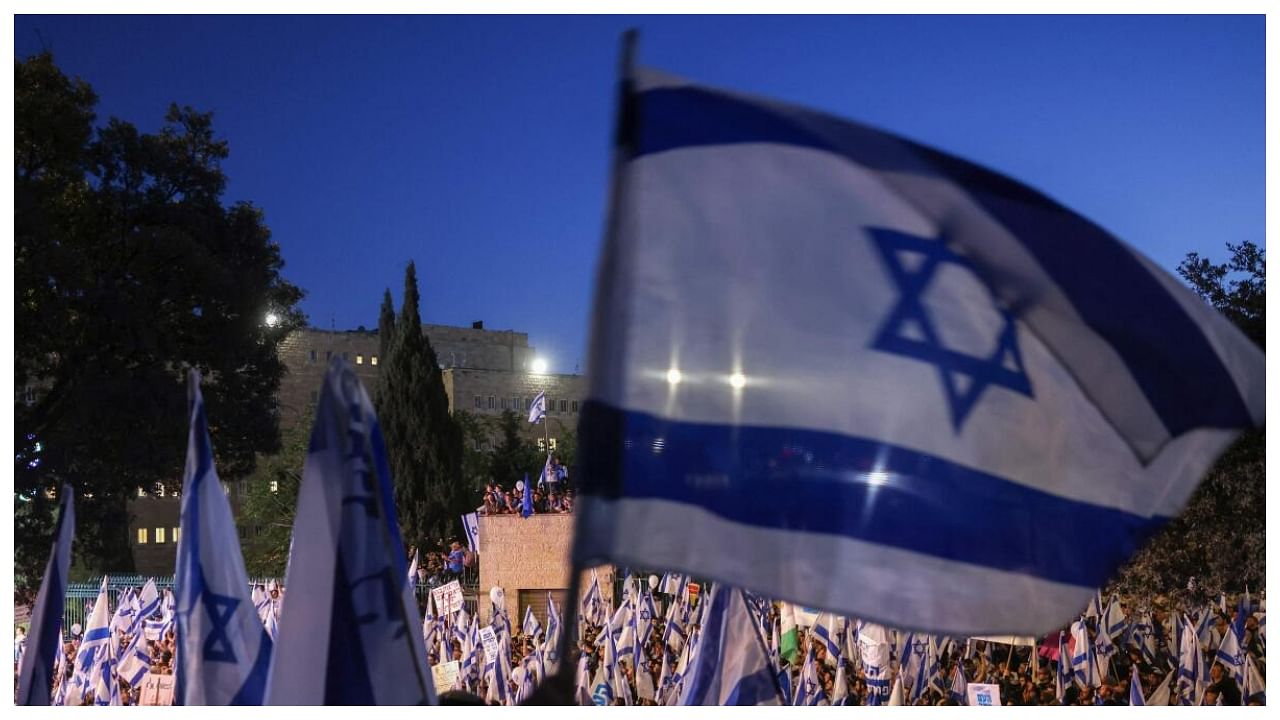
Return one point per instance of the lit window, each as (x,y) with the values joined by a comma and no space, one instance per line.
(175,534)
(159,536)
(542,445)
(142,536)
(553,443)
(142,492)
(159,490)
(373,359)
(359,359)
(275,486)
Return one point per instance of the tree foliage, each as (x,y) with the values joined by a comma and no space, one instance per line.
(270,504)
(424,444)
(128,269)
(1220,538)
(515,456)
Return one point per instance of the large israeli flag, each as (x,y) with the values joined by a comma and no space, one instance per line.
(813,340)
(732,666)
(349,626)
(471,523)
(223,651)
(538,408)
(45,637)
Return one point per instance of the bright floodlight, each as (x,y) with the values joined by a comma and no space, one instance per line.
(539,366)
(737,380)
(272,319)
(673,376)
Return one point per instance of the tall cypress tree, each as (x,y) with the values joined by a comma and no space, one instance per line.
(424,444)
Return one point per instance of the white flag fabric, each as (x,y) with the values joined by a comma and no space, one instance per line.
(732,665)
(349,626)
(223,651)
(809,335)
(471,523)
(45,637)
(538,408)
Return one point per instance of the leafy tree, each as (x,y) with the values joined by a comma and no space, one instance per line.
(270,503)
(475,463)
(424,444)
(514,455)
(1220,538)
(128,269)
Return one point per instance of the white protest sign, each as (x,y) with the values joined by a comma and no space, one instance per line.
(445,674)
(448,598)
(490,640)
(982,695)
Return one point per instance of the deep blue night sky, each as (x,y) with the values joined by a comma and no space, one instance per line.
(480,146)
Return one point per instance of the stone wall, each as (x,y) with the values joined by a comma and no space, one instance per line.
(529,554)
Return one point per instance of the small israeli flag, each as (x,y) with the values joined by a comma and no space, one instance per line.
(1135,688)
(471,523)
(223,650)
(349,628)
(45,636)
(530,627)
(148,604)
(974,352)
(538,408)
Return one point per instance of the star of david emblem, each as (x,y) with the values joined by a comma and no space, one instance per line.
(645,615)
(221,608)
(810,687)
(919,646)
(1002,368)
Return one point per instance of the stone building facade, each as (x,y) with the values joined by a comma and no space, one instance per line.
(529,558)
(484,371)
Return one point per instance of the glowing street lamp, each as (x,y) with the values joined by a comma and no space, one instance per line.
(272,319)
(539,366)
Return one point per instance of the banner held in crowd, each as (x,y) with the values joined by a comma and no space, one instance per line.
(349,626)
(999,356)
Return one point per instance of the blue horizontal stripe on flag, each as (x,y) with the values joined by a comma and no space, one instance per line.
(1107,285)
(816,482)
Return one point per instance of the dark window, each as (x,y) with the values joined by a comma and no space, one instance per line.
(479,403)
(564,405)
(328,355)
(312,355)
(574,405)
(315,396)
(493,402)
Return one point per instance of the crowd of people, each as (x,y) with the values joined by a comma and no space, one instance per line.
(820,671)
(1128,640)
(552,493)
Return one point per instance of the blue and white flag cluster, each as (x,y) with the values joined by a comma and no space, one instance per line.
(733,665)
(993,391)
(45,637)
(349,624)
(223,651)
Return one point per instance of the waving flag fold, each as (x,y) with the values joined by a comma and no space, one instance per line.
(349,629)
(223,650)
(995,356)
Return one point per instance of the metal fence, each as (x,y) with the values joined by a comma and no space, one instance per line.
(81,595)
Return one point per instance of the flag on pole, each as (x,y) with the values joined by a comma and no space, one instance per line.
(538,408)
(95,658)
(1036,319)
(1191,684)
(1113,619)
(45,636)
(1161,695)
(412,575)
(526,503)
(471,522)
(148,604)
(223,650)
(732,665)
(348,633)
(530,626)
(1231,652)
(959,685)
(1255,686)
(824,630)
(1135,687)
